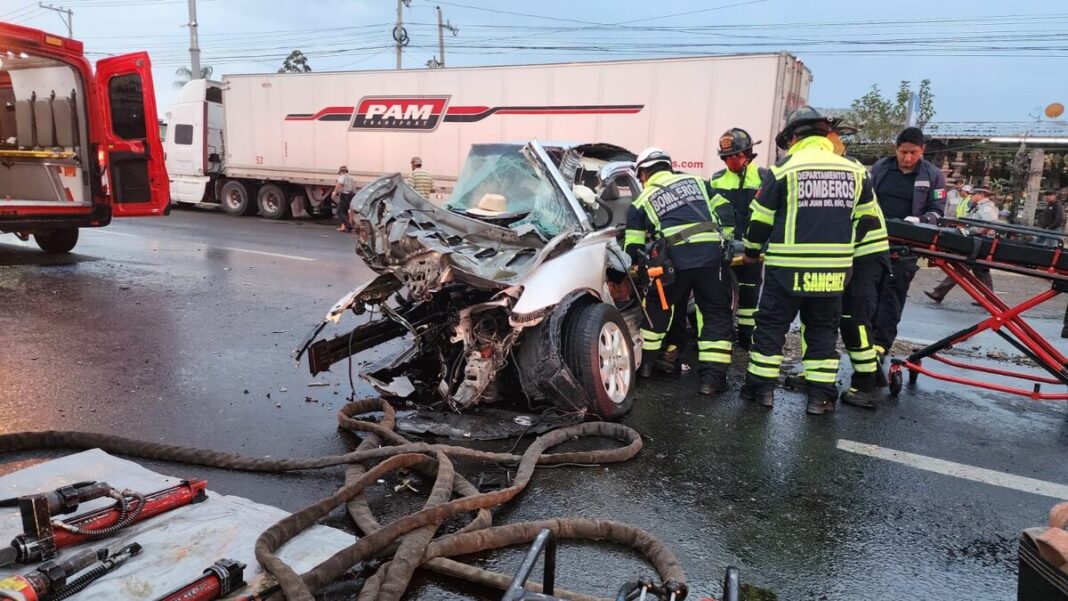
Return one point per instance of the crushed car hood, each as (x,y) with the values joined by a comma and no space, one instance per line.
(426,246)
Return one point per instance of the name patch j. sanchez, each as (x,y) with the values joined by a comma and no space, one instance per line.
(831,189)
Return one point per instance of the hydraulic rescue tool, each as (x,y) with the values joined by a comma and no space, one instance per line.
(57,580)
(43,536)
(655,269)
(219,580)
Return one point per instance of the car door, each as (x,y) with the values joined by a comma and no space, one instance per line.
(130,146)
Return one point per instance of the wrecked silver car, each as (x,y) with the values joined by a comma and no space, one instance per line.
(514,291)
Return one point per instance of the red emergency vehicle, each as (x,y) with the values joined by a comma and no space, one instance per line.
(77,147)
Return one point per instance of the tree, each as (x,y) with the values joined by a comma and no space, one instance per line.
(296,62)
(880,119)
(185,75)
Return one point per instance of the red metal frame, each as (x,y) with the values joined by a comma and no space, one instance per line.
(1023,336)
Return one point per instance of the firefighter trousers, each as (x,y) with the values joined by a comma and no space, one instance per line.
(712,296)
(749,277)
(892,299)
(820,317)
(859,303)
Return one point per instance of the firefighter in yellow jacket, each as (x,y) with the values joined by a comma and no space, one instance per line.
(688,228)
(739,183)
(808,212)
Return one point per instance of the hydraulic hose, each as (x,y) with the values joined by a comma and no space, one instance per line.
(126,516)
(105,566)
(407,543)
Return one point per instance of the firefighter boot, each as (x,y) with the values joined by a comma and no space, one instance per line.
(765,397)
(862,392)
(818,405)
(713,380)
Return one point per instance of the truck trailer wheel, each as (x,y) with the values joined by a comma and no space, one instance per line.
(272,202)
(599,350)
(57,241)
(235,198)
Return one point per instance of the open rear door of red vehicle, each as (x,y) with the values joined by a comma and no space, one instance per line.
(136,172)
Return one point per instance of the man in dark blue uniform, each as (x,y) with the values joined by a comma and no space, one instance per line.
(913,189)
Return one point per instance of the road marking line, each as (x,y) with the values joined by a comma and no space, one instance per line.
(111,233)
(240,250)
(265,253)
(958,470)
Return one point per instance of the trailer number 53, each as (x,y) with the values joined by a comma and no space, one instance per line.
(259,160)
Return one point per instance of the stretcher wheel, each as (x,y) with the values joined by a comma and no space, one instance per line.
(896,381)
(913,376)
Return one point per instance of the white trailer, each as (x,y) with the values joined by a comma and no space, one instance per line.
(264,142)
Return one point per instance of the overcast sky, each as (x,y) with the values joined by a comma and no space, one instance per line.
(987,59)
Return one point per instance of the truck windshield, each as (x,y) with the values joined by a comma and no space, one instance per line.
(505,184)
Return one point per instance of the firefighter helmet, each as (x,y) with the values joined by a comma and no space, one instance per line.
(651,156)
(736,140)
(805,120)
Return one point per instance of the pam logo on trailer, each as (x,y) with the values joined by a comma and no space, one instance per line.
(399,113)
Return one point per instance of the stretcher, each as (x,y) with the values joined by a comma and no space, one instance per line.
(958,245)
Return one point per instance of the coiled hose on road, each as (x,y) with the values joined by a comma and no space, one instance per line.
(408,542)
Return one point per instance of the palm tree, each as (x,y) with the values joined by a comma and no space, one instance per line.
(185,74)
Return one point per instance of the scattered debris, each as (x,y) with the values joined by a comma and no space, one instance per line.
(317,383)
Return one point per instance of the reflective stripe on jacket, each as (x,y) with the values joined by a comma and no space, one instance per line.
(739,191)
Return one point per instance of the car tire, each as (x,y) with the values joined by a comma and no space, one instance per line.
(57,242)
(235,198)
(599,350)
(272,201)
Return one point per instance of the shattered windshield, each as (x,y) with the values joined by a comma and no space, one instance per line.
(505,184)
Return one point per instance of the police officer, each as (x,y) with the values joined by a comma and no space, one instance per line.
(689,228)
(807,212)
(913,189)
(739,183)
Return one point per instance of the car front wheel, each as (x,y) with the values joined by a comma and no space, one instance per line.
(599,351)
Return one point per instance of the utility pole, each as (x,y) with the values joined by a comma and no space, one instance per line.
(1034,183)
(400,35)
(440,62)
(194,46)
(68,21)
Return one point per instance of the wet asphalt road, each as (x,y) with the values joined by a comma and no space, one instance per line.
(178,329)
